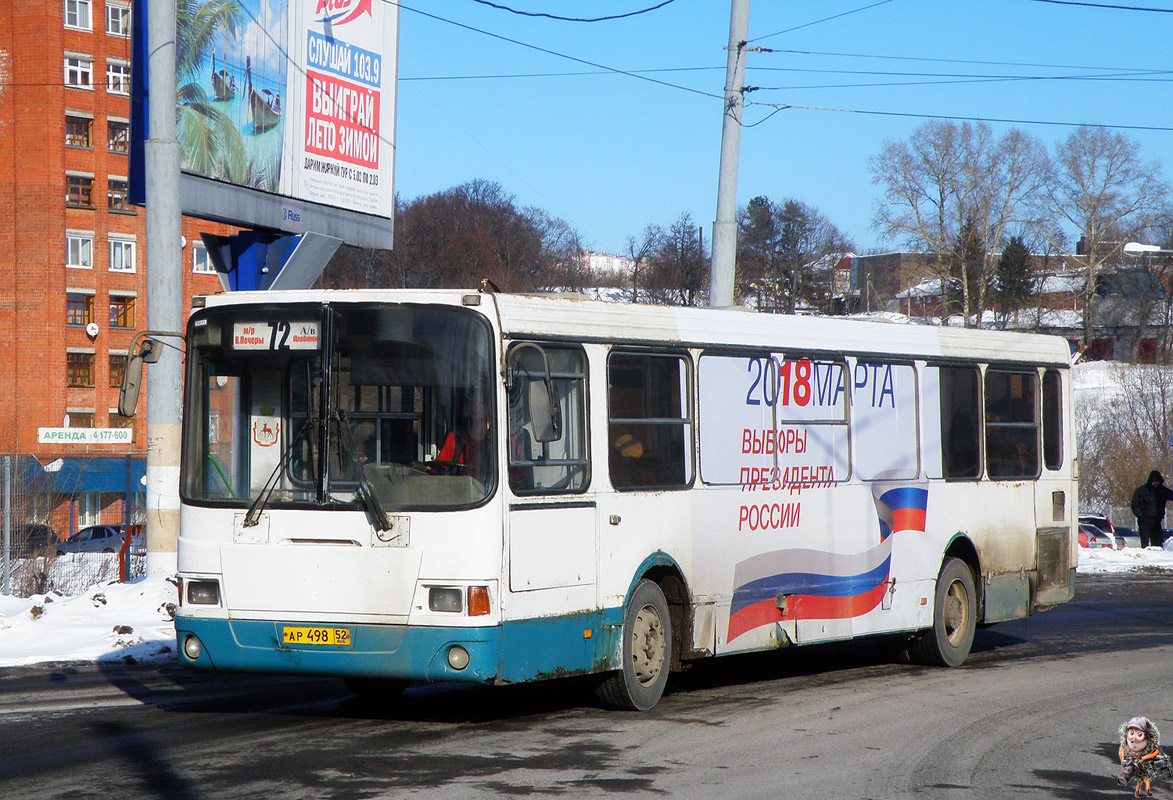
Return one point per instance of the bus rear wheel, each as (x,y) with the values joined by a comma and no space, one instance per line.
(947,643)
(647,652)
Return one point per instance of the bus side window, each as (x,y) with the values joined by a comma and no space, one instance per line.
(960,422)
(649,421)
(1052,420)
(1012,424)
(561,464)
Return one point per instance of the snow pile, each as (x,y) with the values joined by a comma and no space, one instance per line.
(67,574)
(1130,559)
(116,621)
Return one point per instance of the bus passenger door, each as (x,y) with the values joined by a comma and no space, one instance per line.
(553,517)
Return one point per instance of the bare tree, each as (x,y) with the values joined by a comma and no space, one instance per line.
(1110,196)
(945,173)
(457,237)
(640,251)
(1124,435)
(679,264)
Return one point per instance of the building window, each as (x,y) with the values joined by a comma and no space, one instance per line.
(121,255)
(200,260)
(81,419)
(79,191)
(79,308)
(79,72)
(117,136)
(117,19)
(79,371)
(121,311)
(77,131)
(77,14)
(117,420)
(117,370)
(117,195)
(79,251)
(89,505)
(117,77)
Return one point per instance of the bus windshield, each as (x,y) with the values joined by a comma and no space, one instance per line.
(312,405)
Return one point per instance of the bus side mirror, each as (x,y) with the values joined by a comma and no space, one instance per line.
(146,352)
(131,381)
(544,413)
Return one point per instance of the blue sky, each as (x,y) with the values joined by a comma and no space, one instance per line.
(611,153)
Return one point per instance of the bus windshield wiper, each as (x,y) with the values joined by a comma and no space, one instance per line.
(365,492)
(262,499)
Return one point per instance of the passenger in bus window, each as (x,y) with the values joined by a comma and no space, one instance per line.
(468,449)
(627,465)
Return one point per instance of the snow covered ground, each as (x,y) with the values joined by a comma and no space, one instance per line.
(132,621)
(111,621)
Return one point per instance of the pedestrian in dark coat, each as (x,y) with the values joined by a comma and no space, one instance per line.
(1148,504)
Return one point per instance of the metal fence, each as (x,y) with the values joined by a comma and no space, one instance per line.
(41,505)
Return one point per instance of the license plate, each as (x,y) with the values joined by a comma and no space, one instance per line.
(333,637)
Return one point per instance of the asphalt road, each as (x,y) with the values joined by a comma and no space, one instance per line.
(1033,713)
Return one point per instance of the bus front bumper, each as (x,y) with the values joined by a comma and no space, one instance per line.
(427,653)
(509,652)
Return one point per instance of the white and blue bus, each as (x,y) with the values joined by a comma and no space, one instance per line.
(398,486)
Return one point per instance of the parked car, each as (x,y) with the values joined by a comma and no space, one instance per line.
(1091,536)
(95,539)
(1106,530)
(33,539)
(1126,537)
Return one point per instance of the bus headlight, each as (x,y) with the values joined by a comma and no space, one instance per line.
(203,593)
(445,599)
(192,647)
(457,657)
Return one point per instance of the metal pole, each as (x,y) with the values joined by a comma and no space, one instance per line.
(725,226)
(164,291)
(6,584)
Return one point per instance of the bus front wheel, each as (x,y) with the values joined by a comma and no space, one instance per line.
(647,652)
(947,643)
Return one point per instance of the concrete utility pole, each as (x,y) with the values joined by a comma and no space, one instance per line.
(164,291)
(725,227)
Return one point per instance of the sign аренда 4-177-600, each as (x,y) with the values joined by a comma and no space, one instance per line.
(85,435)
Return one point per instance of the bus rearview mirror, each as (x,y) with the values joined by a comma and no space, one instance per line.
(146,352)
(545,417)
(131,381)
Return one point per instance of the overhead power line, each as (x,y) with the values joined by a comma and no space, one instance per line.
(500,7)
(788,106)
(819,21)
(1111,6)
(553,52)
(940,60)
(575,74)
(948,79)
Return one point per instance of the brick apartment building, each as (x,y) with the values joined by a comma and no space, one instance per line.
(72,253)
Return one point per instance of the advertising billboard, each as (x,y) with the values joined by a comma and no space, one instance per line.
(285,114)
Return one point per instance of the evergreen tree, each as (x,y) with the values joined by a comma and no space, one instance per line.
(1015,278)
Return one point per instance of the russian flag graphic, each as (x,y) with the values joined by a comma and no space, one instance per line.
(902,509)
(813,584)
